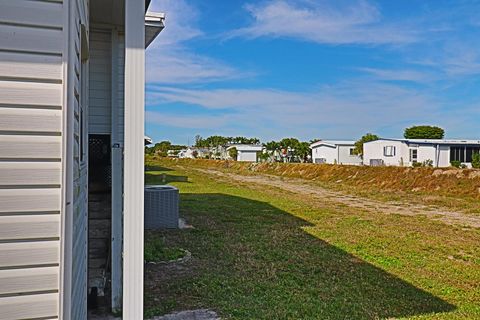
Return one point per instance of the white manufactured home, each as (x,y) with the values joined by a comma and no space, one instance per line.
(335,152)
(72,81)
(406,152)
(246,152)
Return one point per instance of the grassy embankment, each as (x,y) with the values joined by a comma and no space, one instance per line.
(448,187)
(260,253)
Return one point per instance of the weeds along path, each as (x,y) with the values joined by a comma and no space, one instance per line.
(300,186)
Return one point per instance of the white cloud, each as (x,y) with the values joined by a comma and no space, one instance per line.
(180,21)
(398,75)
(169,60)
(341,111)
(179,65)
(462,61)
(198,122)
(357,23)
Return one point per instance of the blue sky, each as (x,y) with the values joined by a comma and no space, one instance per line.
(313,69)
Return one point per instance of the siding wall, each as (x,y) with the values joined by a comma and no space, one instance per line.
(31,114)
(444,156)
(121,86)
(78,103)
(344,156)
(100,82)
(324,152)
(247,156)
(374,150)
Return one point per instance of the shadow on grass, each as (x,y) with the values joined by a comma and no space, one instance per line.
(254,261)
(159,177)
(156,168)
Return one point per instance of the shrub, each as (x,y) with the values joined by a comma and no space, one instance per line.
(417,164)
(476,160)
(233,153)
(427,163)
(455,163)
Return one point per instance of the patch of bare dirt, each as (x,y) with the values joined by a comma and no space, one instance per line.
(300,186)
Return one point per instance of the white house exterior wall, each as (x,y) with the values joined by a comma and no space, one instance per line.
(75,257)
(100,108)
(344,156)
(444,156)
(324,152)
(374,150)
(32,105)
(426,153)
(439,154)
(247,156)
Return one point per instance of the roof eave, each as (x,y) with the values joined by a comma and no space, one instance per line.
(154,24)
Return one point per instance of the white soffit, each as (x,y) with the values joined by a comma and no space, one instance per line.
(154,23)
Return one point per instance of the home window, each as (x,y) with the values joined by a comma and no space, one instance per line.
(469,152)
(413,155)
(352,151)
(389,151)
(457,154)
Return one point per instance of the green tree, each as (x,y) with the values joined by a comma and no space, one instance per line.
(359,143)
(424,132)
(302,150)
(291,143)
(233,153)
(272,146)
(198,140)
(262,156)
(476,160)
(162,147)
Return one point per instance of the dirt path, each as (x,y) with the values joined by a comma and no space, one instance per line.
(300,186)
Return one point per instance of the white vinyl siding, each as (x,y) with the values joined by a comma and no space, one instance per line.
(31,115)
(100,102)
(79,66)
(121,86)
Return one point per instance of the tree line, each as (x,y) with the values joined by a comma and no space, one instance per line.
(215,141)
(163,147)
(289,149)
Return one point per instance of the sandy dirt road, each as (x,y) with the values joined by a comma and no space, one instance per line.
(304,187)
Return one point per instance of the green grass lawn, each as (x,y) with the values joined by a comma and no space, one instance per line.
(261,253)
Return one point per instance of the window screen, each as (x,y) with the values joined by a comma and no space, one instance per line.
(457,154)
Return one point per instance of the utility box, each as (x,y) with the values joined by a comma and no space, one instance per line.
(161,207)
(377,163)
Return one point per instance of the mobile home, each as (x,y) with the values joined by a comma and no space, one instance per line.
(334,152)
(246,152)
(406,152)
(71,132)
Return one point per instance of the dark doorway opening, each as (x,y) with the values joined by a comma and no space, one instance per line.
(99,221)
